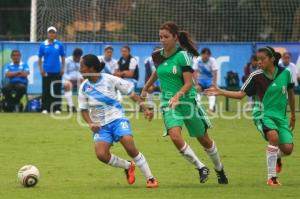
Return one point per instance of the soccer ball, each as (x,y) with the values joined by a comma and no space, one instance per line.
(28,176)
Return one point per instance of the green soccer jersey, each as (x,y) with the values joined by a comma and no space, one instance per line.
(271,92)
(170,74)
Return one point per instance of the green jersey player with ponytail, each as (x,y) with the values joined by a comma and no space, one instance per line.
(178,98)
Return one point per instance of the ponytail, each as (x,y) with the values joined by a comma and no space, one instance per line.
(184,38)
(186,42)
(277,58)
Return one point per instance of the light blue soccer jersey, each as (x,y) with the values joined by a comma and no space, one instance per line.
(110,65)
(100,98)
(72,70)
(205,69)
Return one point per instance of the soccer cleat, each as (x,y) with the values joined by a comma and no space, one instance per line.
(278,165)
(203,173)
(152,183)
(130,173)
(273,182)
(222,179)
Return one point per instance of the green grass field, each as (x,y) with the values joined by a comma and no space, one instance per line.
(63,151)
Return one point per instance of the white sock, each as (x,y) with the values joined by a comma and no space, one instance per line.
(189,154)
(280,154)
(199,95)
(142,163)
(115,161)
(68,95)
(215,157)
(271,160)
(212,102)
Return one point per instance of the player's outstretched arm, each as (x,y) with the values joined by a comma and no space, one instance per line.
(291,96)
(232,94)
(148,84)
(147,113)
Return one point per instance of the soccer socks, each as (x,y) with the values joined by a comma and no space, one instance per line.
(142,163)
(199,96)
(215,157)
(212,102)
(115,161)
(271,154)
(68,95)
(189,154)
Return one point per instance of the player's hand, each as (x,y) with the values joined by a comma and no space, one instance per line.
(292,122)
(143,95)
(95,127)
(174,101)
(43,73)
(148,114)
(213,91)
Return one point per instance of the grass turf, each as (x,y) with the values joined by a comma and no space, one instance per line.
(63,152)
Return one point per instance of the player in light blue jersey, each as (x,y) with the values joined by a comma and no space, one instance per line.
(105,116)
(110,63)
(205,75)
(72,77)
(149,69)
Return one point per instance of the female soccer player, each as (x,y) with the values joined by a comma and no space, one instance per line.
(174,71)
(206,75)
(272,87)
(105,117)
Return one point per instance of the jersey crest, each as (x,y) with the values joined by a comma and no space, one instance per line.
(174,70)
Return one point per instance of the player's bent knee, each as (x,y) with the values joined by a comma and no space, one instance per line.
(272,137)
(103,156)
(67,86)
(287,149)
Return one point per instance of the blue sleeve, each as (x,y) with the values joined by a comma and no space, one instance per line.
(62,50)
(41,51)
(26,68)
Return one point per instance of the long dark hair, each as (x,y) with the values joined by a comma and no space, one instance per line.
(92,61)
(271,53)
(184,37)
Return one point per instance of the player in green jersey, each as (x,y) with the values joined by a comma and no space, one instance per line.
(178,94)
(272,87)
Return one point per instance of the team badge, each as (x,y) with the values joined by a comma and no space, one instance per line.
(88,88)
(174,70)
(283,90)
(56,46)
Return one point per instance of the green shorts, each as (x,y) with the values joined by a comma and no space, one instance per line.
(192,115)
(267,123)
